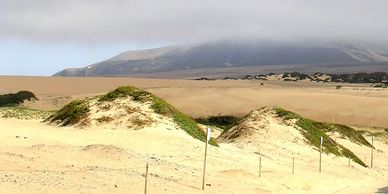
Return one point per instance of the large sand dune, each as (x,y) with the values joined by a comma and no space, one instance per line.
(355,104)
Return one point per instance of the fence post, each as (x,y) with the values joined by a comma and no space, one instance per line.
(204,162)
(146,179)
(320,155)
(260,167)
(293,165)
(371,157)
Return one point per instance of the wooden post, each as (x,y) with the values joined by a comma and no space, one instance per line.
(146,180)
(371,157)
(260,167)
(293,165)
(320,155)
(204,162)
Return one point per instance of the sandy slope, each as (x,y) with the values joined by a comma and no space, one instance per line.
(36,158)
(355,104)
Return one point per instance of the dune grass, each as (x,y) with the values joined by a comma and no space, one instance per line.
(124,91)
(24,113)
(71,113)
(313,131)
(161,107)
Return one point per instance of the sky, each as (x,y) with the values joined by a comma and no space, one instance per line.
(41,37)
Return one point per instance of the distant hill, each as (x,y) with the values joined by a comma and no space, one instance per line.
(227,54)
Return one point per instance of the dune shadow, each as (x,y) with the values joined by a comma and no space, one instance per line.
(383,190)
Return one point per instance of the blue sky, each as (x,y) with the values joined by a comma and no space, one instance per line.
(46,58)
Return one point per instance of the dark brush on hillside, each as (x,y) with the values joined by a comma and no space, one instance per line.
(16,99)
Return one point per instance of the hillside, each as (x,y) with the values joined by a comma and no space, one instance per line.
(228,54)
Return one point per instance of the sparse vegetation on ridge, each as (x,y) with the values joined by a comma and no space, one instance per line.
(313,130)
(161,107)
(124,91)
(346,131)
(71,113)
(24,113)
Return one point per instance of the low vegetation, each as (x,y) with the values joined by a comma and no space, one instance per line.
(140,122)
(313,131)
(375,77)
(105,119)
(76,110)
(7,100)
(72,113)
(125,91)
(299,76)
(381,135)
(378,78)
(24,113)
(224,122)
(346,132)
(161,107)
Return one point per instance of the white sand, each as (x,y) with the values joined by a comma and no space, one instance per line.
(97,160)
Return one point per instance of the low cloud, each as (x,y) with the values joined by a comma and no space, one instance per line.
(144,21)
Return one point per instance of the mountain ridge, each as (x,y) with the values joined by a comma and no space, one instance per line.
(232,54)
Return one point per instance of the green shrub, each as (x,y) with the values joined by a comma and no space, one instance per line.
(224,122)
(161,107)
(349,154)
(346,131)
(16,99)
(124,91)
(71,113)
(313,131)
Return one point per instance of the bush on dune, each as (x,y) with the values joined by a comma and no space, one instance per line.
(224,122)
(72,113)
(16,99)
(313,131)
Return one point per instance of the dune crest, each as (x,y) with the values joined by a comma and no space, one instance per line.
(274,130)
